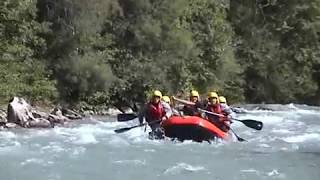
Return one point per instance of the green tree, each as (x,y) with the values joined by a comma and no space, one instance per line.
(277,48)
(172,46)
(151,47)
(215,67)
(77,64)
(21,52)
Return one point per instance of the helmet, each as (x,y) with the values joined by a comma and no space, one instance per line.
(222,99)
(157,93)
(166,99)
(194,93)
(213,95)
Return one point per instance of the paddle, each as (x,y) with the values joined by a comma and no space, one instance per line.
(121,130)
(126,117)
(257,125)
(239,138)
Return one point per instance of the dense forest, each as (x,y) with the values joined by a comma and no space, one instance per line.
(114,52)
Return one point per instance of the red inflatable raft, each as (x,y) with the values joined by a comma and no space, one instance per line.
(191,128)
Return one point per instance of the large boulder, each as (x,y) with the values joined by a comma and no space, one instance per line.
(71,114)
(56,116)
(20,113)
(40,123)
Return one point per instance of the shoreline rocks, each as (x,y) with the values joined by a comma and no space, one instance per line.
(21,114)
(113,111)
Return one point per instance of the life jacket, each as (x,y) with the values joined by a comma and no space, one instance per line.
(154,112)
(214,108)
(220,122)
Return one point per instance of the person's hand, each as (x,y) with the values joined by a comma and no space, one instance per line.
(225,119)
(164,118)
(203,115)
(229,119)
(172,97)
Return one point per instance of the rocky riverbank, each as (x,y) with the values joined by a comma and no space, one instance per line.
(21,114)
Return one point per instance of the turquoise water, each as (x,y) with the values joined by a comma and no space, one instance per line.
(287,148)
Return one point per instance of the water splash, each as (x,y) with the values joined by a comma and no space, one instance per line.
(183,168)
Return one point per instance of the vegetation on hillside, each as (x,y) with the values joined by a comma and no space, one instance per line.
(113,52)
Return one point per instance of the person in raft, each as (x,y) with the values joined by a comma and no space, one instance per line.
(167,100)
(154,112)
(226,110)
(220,120)
(190,107)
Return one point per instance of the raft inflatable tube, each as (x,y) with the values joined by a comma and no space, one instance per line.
(191,128)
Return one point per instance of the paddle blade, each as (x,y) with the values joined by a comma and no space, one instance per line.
(126,117)
(122,130)
(258,125)
(240,139)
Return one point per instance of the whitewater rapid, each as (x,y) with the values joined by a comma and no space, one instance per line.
(288,147)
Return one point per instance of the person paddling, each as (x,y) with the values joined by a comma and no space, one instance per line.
(214,106)
(191,107)
(225,108)
(170,106)
(154,113)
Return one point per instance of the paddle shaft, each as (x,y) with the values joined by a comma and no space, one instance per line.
(257,125)
(183,101)
(238,137)
(209,112)
(121,130)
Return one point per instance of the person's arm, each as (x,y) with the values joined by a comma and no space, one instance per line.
(167,109)
(183,101)
(175,112)
(238,110)
(228,111)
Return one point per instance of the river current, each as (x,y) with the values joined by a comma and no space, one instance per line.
(288,147)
